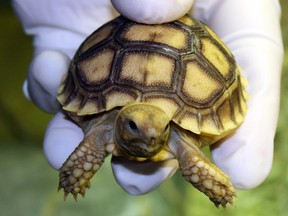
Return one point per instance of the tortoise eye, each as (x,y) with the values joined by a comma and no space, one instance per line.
(132,125)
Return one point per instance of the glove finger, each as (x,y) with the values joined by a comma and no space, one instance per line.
(141,177)
(151,12)
(61,138)
(45,74)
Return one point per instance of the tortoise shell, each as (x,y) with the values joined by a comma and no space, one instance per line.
(182,67)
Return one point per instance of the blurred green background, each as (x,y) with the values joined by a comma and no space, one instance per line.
(28,185)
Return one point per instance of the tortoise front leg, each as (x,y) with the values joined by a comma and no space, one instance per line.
(83,163)
(197,169)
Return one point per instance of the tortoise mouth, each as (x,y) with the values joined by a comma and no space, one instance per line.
(140,148)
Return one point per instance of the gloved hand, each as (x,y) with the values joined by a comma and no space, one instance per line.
(251,29)
(252,32)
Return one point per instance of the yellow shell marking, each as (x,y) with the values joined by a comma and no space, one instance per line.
(215,56)
(199,85)
(156,33)
(98,67)
(148,69)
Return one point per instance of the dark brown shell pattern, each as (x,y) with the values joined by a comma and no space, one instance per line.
(182,67)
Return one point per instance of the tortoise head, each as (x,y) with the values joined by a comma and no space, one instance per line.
(141,129)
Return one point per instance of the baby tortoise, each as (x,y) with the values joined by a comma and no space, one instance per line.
(153,92)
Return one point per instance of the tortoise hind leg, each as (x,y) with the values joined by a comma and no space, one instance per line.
(197,169)
(83,163)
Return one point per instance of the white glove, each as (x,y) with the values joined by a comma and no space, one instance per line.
(254,39)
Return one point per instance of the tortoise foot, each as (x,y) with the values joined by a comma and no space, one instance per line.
(79,168)
(207,178)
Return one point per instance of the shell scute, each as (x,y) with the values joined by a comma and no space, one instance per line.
(96,70)
(147,70)
(199,85)
(164,35)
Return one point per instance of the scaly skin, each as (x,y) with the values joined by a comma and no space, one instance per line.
(87,158)
(199,171)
